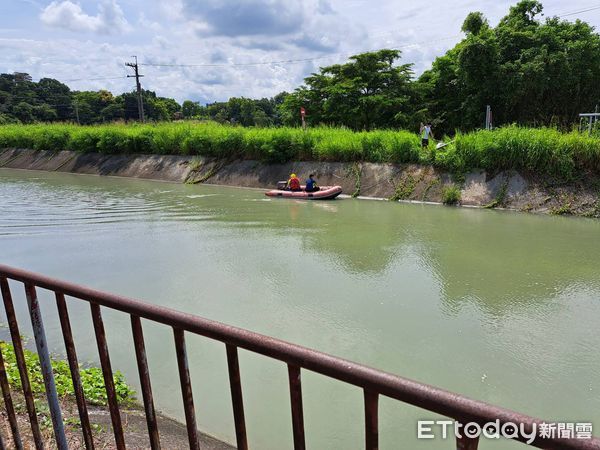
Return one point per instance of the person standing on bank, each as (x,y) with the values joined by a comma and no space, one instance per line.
(426,133)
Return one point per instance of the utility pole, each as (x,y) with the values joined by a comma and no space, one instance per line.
(488,117)
(77,112)
(138,86)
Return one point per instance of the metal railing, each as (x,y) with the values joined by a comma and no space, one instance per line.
(373,382)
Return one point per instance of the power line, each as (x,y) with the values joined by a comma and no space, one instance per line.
(95,79)
(333,55)
(292,61)
(593,8)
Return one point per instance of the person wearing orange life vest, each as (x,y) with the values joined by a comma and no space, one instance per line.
(293,183)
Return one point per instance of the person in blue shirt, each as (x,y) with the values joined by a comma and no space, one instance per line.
(311,184)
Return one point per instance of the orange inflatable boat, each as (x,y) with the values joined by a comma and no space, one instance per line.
(325,193)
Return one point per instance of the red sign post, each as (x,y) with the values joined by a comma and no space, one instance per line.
(303,116)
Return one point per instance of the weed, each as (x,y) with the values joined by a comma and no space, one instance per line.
(195,164)
(91,379)
(500,199)
(541,151)
(451,195)
(430,186)
(405,188)
(355,171)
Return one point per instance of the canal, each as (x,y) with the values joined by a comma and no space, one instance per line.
(502,307)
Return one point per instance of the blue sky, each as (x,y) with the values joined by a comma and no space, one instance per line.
(81,40)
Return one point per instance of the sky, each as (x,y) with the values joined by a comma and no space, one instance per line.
(250,48)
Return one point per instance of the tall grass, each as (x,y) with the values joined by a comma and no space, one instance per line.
(274,145)
(542,150)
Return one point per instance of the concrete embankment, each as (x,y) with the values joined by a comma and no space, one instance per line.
(406,182)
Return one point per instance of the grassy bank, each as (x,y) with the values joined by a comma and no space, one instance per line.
(93,387)
(91,379)
(543,151)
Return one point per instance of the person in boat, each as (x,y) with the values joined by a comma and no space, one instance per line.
(311,184)
(293,183)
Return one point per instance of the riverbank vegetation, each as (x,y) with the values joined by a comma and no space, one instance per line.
(542,151)
(531,71)
(94,390)
(91,379)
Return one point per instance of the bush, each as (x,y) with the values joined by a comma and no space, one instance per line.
(451,195)
(543,151)
(91,378)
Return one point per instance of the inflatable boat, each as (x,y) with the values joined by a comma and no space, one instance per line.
(325,193)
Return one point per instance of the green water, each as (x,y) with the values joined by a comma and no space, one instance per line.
(502,307)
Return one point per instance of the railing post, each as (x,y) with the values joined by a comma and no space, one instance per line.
(111,395)
(466,443)
(65,324)
(186,388)
(236,397)
(20,357)
(140,353)
(371,420)
(46,365)
(10,410)
(297,410)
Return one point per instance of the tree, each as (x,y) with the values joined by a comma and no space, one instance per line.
(24,112)
(114,111)
(91,104)
(475,23)
(190,109)
(57,95)
(369,91)
(44,113)
(530,72)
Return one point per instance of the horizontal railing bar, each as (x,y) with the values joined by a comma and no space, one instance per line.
(408,391)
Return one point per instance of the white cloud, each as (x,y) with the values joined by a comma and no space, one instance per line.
(167,32)
(70,16)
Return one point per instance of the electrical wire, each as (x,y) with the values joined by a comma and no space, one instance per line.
(333,55)
(581,11)
(94,79)
(292,61)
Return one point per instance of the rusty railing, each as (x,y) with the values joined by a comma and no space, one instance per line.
(373,382)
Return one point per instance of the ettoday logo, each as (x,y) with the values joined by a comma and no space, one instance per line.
(444,429)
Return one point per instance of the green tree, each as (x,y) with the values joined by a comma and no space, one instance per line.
(367,92)
(190,109)
(475,23)
(44,113)
(57,95)
(530,72)
(24,112)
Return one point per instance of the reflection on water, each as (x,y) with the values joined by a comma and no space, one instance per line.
(499,306)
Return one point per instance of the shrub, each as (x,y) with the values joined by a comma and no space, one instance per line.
(543,151)
(91,378)
(451,195)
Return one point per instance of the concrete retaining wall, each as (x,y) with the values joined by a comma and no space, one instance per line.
(409,182)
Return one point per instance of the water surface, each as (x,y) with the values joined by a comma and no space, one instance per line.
(502,307)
